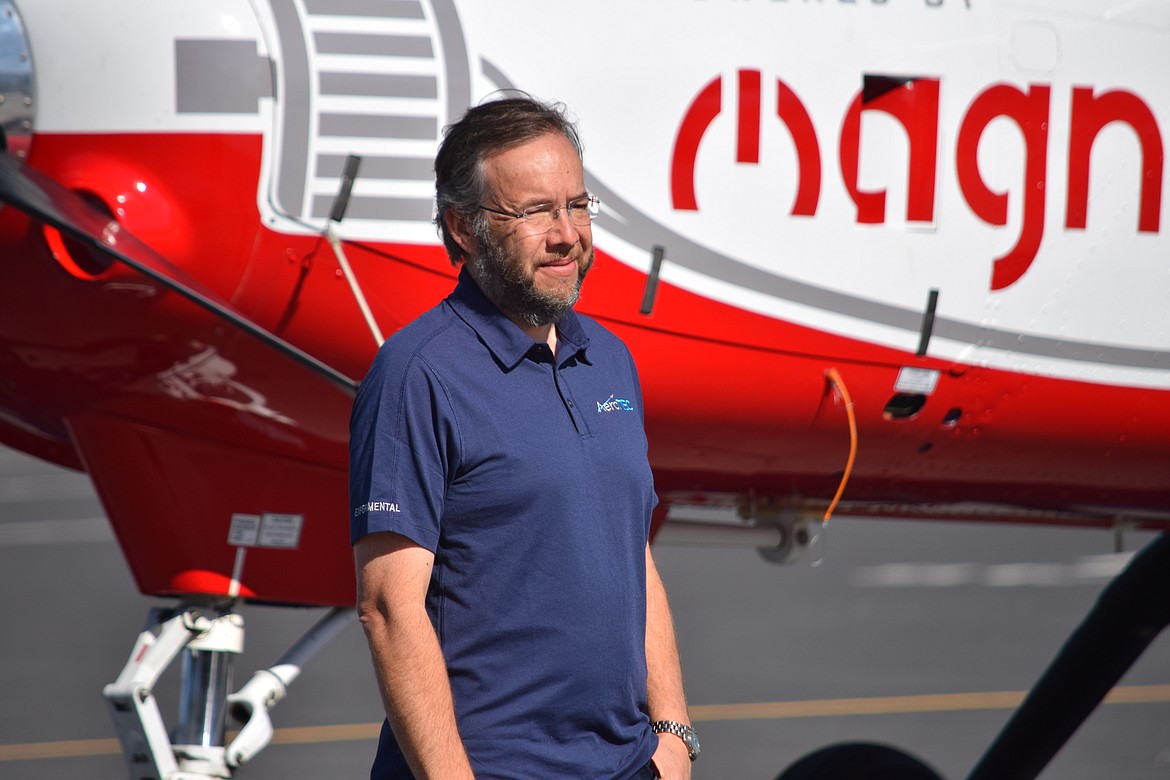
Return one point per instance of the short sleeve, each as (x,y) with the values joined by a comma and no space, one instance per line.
(401,449)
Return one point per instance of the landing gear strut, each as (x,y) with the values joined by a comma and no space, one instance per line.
(208,637)
(1128,615)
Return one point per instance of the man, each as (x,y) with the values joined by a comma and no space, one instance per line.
(501,494)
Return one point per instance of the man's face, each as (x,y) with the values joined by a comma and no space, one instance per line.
(533,276)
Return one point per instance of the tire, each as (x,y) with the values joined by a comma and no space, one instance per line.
(859,761)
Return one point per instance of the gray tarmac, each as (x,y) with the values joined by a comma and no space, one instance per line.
(844,648)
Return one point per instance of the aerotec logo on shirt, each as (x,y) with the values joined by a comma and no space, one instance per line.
(376,506)
(614,404)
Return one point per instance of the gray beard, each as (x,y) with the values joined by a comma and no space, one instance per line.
(505,284)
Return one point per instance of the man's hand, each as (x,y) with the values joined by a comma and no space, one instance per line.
(671,759)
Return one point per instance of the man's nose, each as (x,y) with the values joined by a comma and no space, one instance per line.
(564,227)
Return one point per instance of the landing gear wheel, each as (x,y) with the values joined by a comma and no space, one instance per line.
(859,761)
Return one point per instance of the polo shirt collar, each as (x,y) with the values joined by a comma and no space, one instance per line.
(507,343)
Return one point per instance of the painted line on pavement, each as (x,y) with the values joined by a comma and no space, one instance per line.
(702,713)
(895,705)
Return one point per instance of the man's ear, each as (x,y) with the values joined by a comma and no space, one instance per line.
(459,226)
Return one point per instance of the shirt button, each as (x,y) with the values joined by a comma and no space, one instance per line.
(570,404)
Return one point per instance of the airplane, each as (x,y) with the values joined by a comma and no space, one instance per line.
(874,258)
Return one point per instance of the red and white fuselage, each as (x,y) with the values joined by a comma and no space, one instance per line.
(955,206)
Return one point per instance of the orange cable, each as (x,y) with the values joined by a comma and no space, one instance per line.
(839,384)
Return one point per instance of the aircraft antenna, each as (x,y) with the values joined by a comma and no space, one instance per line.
(337,213)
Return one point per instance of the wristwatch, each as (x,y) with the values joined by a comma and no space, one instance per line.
(680,730)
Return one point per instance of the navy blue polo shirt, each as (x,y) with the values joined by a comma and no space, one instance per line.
(527,476)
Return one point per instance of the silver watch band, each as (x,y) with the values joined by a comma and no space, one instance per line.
(680,730)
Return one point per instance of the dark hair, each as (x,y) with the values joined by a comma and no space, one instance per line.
(485,130)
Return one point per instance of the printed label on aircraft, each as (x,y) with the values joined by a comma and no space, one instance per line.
(916,380)
(271,529)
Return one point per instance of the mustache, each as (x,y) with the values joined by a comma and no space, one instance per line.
(510,283)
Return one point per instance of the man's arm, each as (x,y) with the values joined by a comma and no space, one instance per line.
(393,574)
(665,697)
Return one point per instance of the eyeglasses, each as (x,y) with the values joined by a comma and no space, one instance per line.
(541,217)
